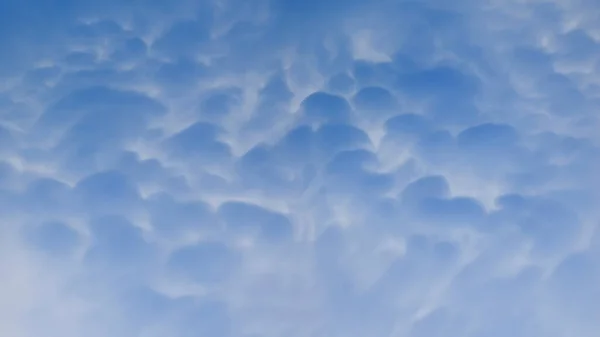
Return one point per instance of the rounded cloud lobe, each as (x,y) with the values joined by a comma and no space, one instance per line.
(288,168)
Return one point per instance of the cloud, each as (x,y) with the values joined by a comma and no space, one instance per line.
(374,98)
(172,218)
(116,242)
(54,237)
(198,141)
(289,168)
(251,219)
(204,263)
(183,39)
(106,192)
(324,107)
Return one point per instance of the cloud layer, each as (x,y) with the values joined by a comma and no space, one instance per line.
(299,168)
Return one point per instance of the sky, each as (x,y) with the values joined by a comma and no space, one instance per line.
(299,168)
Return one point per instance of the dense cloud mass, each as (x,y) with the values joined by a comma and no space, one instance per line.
(299,168)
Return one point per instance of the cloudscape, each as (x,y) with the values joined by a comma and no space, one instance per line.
(299,168)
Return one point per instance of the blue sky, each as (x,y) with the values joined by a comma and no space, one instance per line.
(268,168)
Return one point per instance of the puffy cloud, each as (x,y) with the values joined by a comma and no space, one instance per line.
(172,218)
(321,107)
(199,142)
(204,263)
(116,242)
(342,83)
(54,237)
(243,218)
(374,98)
(183,39)
(299,168)
(106,192)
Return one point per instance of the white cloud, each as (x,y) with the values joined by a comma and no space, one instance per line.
(291,168)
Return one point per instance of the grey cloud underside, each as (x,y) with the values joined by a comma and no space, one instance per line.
(259,169)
